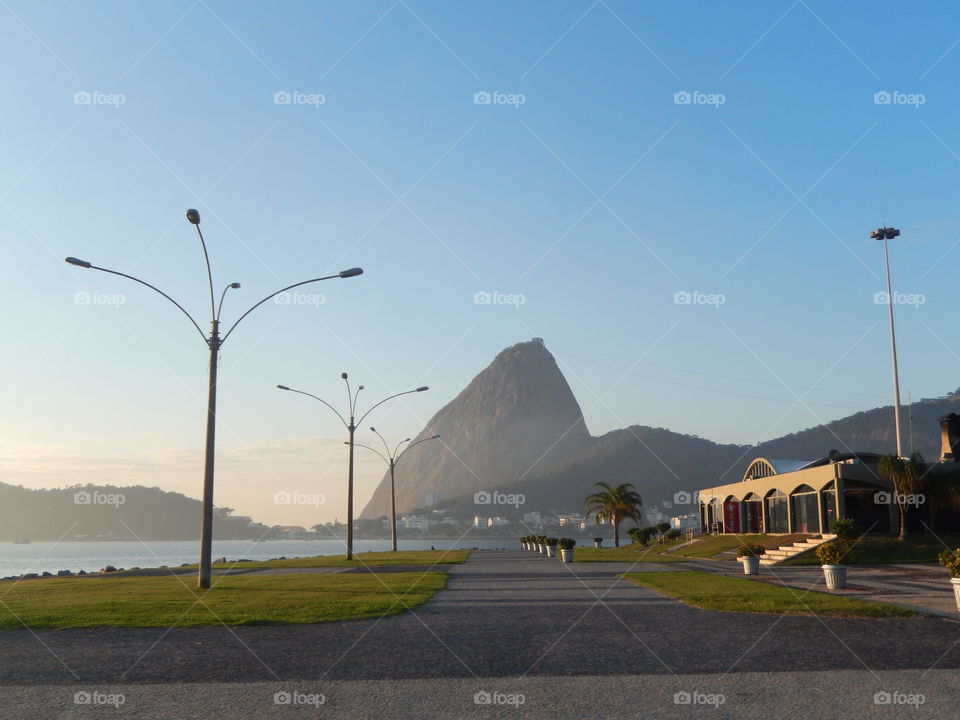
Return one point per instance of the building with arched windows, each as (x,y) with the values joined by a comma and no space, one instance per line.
(800,496)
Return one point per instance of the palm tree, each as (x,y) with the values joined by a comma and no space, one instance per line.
(904,476)
(614,504)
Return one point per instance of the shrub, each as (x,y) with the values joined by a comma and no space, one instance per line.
(751,551)
(663,527)
(673,534)
(566,543)
(950,559)
(830,553)
(845,529)
(642,535)
(550,542)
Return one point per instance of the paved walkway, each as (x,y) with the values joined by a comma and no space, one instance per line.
(919,586)
(506,621)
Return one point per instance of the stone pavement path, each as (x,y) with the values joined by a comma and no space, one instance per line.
(506,618)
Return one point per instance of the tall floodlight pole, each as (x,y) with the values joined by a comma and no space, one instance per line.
(391,459)
(214,343)
(884,234)
(351,427)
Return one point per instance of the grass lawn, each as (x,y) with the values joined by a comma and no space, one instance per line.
(883,549)
(705,547)
(403,557)
(732,594)
(234,599)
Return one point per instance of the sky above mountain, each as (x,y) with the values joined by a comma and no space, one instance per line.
(676,196)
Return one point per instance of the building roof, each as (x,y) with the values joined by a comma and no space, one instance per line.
(765,467)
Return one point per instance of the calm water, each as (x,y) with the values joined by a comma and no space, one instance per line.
(91,556)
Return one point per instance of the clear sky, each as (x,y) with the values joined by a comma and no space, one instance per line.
(586,196)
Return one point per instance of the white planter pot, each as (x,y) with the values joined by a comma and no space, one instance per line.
(542,549)
(550,549)
(956,590)
(836,576)
(567,556)
(751,565)
(598,544)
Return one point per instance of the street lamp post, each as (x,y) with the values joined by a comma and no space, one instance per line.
(214,343)
(351,427)
(884,234)
(392,459)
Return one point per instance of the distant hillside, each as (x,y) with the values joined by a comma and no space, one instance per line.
(517,428)
(104,512)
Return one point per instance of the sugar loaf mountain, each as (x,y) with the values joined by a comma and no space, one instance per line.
(518,429)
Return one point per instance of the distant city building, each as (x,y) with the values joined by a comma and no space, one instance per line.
(532,518)
(685,522)
(571,520)
(497,521)
(415,522)
(431,499)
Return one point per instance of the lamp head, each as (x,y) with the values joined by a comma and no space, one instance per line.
(359,388)
(421,389)
(283,387)
(343,376)
(235,286)
(373,429)
(352,272)
(193,216)
(834,455)
(78,262)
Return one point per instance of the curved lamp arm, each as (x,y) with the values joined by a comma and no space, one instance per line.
(85,264)
(352,272)
(301,392)
(397,459)
(407,392)
(371,449)
(234,286)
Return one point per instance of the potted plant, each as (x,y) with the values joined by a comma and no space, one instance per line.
(749,555)
(950,559)
(525,541)
(566,549)
(598,542)
(830,554)
(542,544)
(551,543)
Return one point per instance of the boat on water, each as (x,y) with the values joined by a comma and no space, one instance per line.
(22,541)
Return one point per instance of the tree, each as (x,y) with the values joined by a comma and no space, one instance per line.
(904,475)
(614,504)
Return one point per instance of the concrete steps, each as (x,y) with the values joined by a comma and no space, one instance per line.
(785,552)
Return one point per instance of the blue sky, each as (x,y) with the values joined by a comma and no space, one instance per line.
(584,188)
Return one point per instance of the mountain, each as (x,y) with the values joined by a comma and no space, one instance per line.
(104,512)
(517,415)
(517,429)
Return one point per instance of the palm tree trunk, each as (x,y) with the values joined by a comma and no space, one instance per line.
(903,520)
(616,533)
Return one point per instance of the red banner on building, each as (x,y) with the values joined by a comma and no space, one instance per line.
(731,516)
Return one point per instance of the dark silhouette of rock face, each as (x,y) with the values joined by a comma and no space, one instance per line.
(514,418)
